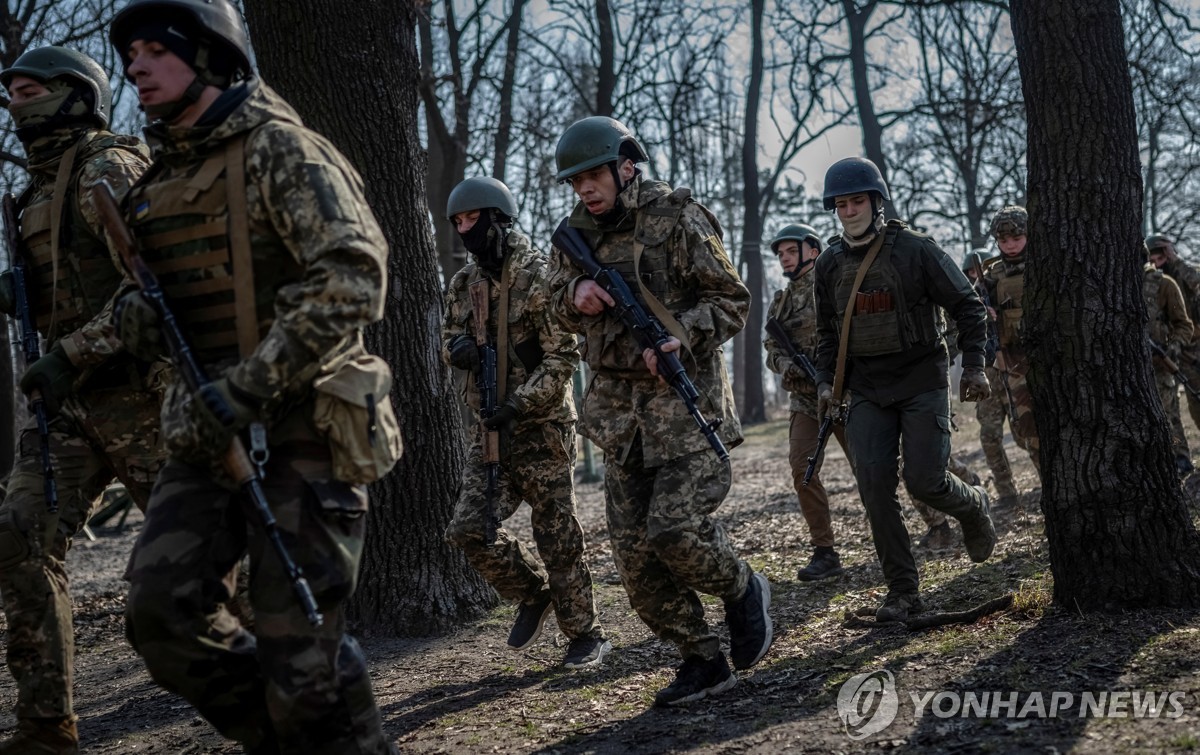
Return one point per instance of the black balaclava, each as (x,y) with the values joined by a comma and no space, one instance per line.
(486,240)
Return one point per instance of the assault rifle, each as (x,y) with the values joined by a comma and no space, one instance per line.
(992,347)
(236,461)
(775,330)
(648,331)
(486,381)
(1172,367)
(29,346)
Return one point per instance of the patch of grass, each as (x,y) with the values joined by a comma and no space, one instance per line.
(1032,597)
(1187,742)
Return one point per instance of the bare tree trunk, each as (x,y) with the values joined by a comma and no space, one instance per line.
(1119,530)
(857,16)
(606,75)
(750,354)
(412,582)
(507,85)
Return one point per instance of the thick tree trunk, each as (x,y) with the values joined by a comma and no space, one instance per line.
(351,70)
(606,72)
(857,16)
(1119,530)
(749,356)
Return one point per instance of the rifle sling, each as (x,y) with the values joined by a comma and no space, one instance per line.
(839,374)
(657,307)
(502,335)
(62,180)
(245,311)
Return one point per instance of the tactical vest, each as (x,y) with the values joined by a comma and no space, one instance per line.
(1160,329)
(86,277)
(183,222)
(883,332)
(1010,286)
(656,270)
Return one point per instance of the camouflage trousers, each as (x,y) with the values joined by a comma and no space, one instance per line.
(991,414)
(1023,425)
(289,687)
(1168,393)
(539,469)
(97,435)
(1189,365)
(668,547)
(814,501)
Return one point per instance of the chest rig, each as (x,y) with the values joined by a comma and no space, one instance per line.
(73,276)
(1010,287)
(1160,329)
(193,226)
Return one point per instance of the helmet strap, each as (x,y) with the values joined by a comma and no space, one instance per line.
(170,111)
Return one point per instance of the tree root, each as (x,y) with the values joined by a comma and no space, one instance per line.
(859,618)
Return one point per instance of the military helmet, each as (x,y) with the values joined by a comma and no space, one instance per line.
(853,175)
(217,21)
(979,253)
(45,63)
(798,233)
(1010,221)
(595,141)
(479,193)
(1156,240)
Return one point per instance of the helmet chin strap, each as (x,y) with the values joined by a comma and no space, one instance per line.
(170,111)
(872,229)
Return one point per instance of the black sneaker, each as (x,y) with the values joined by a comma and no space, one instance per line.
(528,626)
(750,629)
(586,651)
(695,679)
(824,565)
(897,605)
(979,533)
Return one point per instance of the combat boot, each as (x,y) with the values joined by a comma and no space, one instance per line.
(824,565)
(43,736)
(1006,490)
(979,533)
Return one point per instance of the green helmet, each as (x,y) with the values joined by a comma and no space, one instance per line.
(980,253)
(45,63)
(595,141)
(1010,221)
(1156,240)
(798,233)
(479,193)
(853,175)
(223,46)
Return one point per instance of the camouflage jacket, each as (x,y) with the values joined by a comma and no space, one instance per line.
(1188,280)
(102,156)
(1169,321)
(796,308)
(685,264)
(542,356)
(319,256)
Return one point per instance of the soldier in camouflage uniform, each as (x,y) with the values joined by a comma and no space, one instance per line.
(663,483)
(102,403)
(879,287)
(1164,257)
(536,418)
(1005,281)
(797,247)
(239,182)
(1171,329)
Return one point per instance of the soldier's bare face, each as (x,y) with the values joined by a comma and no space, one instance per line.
(789,255)
(1011,245)
(851,206)
(465,221)
(597,189)
(22,89)
(160,75)
(1158,257)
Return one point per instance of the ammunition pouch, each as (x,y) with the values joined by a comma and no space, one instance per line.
(353,410)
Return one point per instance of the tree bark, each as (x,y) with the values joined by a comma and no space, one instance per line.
(352,72)
(857,18)
(1119,530)
(749,356)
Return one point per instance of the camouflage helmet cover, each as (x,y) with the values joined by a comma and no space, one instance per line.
(595,141)
(853,175)
(798,233)
(45,63)
(478,193)
(218,21)
(1010,221)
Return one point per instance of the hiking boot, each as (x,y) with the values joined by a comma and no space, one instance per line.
(1005,490)
(824,565)
(586,651)
(940,537)
(695,679)
(43,736)
(528,626)
(979,534)
(750,628)
(897,605)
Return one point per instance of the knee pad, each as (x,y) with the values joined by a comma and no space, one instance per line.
(14,541)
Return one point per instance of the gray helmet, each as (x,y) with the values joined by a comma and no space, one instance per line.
(1012,220)
(798,233)
(45,63)
(595,141)
(979,253)
(1153,241)
(225,45)
(479,193)
(853,175)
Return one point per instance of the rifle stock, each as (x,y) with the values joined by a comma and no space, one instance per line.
(487,382)
(235,460)
(1172,366)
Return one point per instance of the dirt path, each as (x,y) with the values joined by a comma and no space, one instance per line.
(467,692)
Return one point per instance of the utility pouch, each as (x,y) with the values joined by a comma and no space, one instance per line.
(353,409)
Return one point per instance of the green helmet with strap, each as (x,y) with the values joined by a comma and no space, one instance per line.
(1012,220)
(479,193)
(595,141)
(1156,240)
(88,95)
(799,233)
(222,51)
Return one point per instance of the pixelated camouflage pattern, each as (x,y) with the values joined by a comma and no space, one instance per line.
(685,260)
(539,470)
(97,435)
(309,686)
(543,393)
(668,546)
(1169,326)
(1024,425)
(796,309)
(991,413)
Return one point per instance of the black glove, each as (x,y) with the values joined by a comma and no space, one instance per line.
(503,417)
(464,354)
(53,376)
(974,386)
(8,293)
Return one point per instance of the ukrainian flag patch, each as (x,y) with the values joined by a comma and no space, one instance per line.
(142,210)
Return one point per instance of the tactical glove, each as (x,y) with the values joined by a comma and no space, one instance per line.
(464,354)
(138,327)
(974,385)
(503,418)
(53,376)
(8,293)
(214,415)
(825,403)
(795,380)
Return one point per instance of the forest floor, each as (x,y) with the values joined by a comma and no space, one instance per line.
(468,693)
